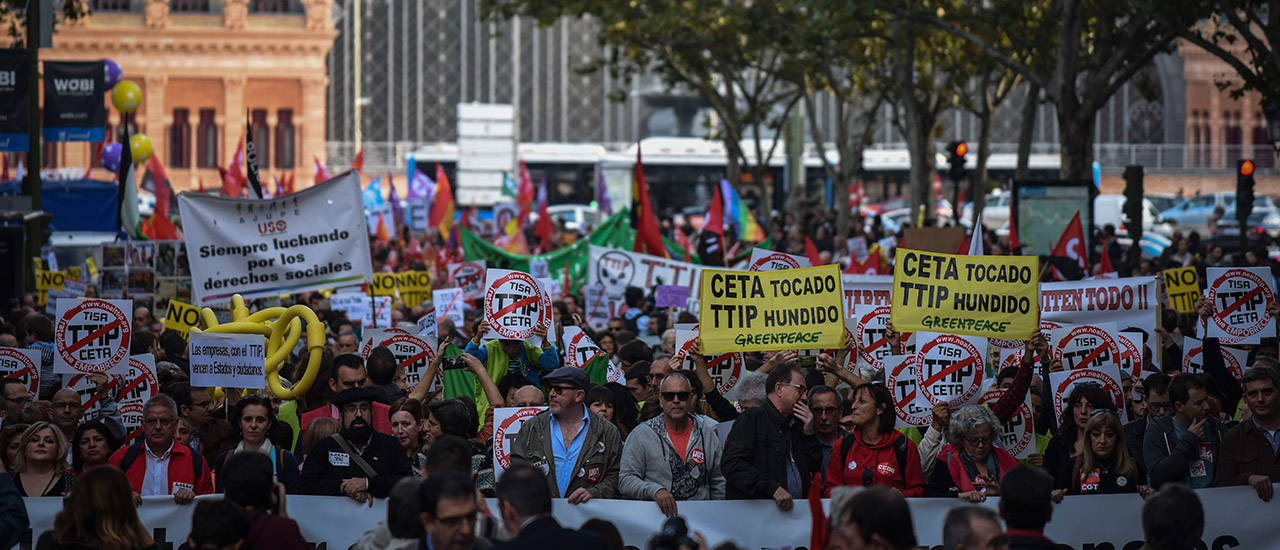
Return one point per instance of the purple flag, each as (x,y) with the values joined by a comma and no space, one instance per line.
(602,193)
(397,211)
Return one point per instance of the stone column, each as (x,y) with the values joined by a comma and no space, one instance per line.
(310,127)
(233,117)
(153,102)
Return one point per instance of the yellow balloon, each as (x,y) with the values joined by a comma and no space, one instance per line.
(140,147)
(126,96)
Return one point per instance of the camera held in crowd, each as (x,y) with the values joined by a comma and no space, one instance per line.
(674,536)
(452,363)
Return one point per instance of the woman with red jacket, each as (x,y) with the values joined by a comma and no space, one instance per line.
(874,453)
(970,465)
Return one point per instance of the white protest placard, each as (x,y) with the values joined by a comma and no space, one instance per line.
(1192,355)
(23,364)
(381,314)
(539,269)
(77,289)
(91,335)
(413,354)
(595,307)
(1236,361)
(228,360)
(373,337)
(469,276)
(514,306)
(858,248)
(1018,435)
(308,240)
(1107,377)
(768,260)
(580,349)
(87,389)
(139,385)
(1127,302)
(911,408)
(503,214)
(1086,346)
(357,306)
(865,290)
(872,323)
(1240,296)
(449,303)
(726,369)
(619,269)
(949,368)
(1131,346)
(506,424)
(427,324)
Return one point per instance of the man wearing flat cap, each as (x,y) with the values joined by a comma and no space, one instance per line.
(357,461)
(578,450)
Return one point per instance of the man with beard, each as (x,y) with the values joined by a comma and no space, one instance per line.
(357,461)
(579,451)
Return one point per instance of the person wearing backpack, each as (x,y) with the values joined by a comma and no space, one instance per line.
(875,453)
(157,464)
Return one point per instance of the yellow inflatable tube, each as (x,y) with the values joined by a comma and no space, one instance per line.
(282,328)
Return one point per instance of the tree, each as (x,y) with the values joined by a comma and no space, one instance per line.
(13,14)
(1240,32)
(719,52)
(1097,47)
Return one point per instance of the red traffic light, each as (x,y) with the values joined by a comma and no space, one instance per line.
(961,149)
(1246,168)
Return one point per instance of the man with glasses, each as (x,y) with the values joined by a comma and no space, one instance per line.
(356,462)
(579,451)
(617,324)
(68,411)
(1155,393)
(826,404)
(449,511)
(13,397)
(753,469)
(675,456)
(157,464)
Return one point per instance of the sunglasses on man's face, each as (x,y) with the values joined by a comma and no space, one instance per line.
(676,395)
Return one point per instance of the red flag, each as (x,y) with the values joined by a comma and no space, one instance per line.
(442,204)
(321,173)
(565,287)
(525,194)
(357,164)
(818,522)
(382,235)
(1069,258)
(648,238)
(200,182)
(159,179)
(236,170)
(1014,245)
(230,185)
(873,265)
(1105,264)
(466,217)
(683,241)
(543,229)
(715,217)
(811,252)
(159,228)
(288,183)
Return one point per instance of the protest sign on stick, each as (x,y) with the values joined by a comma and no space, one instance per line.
(771,310)
(448,303)
(1108,377)
(228,360)
(872,325)
(912,409)
(515,305)
(1183,286)
(91,335)
(181,317)
(1240,299)
(988,296)
(139,385)
(469,276)
(1086,346)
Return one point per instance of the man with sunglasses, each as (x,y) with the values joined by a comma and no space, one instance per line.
(1155,393)
(579,451)
(753,469)
(675,456)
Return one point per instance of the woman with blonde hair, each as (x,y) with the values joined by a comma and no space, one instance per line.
(1105,466)
(40,468)
(99,515)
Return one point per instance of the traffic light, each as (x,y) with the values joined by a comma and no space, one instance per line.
(956,151)
(1133,216)
(1244,192)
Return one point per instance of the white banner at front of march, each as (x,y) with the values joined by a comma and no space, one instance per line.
(308,240)
(619,269)
(1234,519)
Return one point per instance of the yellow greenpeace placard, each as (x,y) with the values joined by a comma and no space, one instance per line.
(413,287)
(1183,286)
(993,296)
(771,310)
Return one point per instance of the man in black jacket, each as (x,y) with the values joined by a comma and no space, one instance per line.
(357,462)
(1155,390)
(772,452)
(524,500)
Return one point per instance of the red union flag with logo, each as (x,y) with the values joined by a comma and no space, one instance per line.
(1240,299)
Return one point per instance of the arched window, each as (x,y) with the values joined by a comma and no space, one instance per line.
(207,140)
(180,139)
(286,147)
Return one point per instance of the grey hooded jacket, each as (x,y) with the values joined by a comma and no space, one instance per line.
(649,459)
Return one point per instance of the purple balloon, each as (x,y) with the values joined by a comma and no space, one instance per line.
(112,73)
(111,156)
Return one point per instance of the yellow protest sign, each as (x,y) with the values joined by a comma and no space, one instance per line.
(1183,286)
(993,296)
(181,317)
(92,265)
(771,310)
(50,280)
(413,287)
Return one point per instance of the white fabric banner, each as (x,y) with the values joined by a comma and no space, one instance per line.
(1128,302)
(1234,518)
(619,269)
(308,240)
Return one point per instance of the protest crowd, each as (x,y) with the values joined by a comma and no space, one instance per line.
(634,402)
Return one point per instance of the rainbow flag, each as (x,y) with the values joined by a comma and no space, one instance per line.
(739,215)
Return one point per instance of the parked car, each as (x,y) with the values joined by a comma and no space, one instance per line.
(1264,226)
(1109,209)
(1193,214)
(1163,201)
(577,217)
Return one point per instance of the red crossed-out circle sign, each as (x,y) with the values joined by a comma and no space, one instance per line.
(580,350)
(375,337)
(725,370)
(16,364)
(785,262)
(1019,432)
(1087,376)
(1190,361)
(139,386)
(1088,346)
(682,358)
(1239,300)
(501,439)
(93,336)
(1131,355)
(949,369)
(88,391)
(1005,343)
(871,334)
(901,381)
(414,355)
(470,278)
(514,306)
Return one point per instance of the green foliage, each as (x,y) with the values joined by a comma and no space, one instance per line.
(13,15)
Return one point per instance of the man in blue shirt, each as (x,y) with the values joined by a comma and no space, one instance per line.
(579,451)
